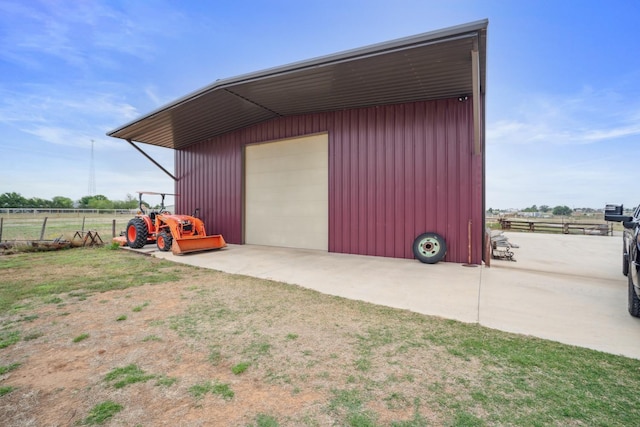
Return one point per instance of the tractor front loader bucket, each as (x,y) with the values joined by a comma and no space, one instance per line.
(197,243)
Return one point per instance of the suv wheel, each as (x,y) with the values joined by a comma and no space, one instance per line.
(634,301)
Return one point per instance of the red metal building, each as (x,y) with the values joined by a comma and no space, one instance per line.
(357,152)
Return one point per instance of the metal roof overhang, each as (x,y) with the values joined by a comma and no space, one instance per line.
(428,66)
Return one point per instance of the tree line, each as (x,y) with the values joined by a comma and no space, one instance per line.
(560,210)
(16,200)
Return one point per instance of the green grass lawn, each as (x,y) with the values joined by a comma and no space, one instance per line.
(366,365)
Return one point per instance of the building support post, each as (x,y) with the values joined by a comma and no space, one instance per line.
(475,71)
(152,160)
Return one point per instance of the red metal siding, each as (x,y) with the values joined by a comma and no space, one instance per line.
(210,178)
(394,172)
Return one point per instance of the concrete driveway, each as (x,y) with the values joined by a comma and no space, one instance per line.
(566,288)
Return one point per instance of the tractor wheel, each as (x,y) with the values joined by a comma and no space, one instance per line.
(429,248)
(164,241)
(137,233)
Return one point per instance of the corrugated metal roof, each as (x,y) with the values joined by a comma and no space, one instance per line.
(432,65)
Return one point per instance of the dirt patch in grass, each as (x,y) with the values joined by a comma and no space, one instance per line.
(303,349)
(59,380)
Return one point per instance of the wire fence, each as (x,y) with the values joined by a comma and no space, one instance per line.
(65,211)
(51,224)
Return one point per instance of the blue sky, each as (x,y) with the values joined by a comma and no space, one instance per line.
(563,88)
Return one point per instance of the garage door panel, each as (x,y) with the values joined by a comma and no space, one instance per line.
(289,163)
(286,186)
(264,194)
(304,239)
(278,170)
(273,211)
(288,148)
(286,181)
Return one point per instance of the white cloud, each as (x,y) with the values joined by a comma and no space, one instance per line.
(82,34)
(73,138)
(612,133)
(58,136)
(525,132)
(29,103)
(151,92)
(65,117)
(562,149)
(585,118)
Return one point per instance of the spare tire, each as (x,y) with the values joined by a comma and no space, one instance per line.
(429,248)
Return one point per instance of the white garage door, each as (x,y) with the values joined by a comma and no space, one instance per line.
(287,193)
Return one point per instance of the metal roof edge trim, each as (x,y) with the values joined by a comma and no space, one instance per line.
(415,40)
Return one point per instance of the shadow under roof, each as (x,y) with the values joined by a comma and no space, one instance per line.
(427,66)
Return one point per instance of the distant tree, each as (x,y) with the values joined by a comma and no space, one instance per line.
(12,200)
(36,202)
(562,210)
(131,200)
(125,204)
(15,200)
(61,202)
(100,202)
(544,208)
(83,203)
(490,211)
(533,208)
(95,202)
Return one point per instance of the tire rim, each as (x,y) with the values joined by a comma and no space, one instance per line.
(161,243)
(131,233)
(429,247)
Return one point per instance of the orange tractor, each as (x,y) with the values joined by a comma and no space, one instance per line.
(176,233)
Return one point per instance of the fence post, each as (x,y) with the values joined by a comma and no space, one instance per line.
(83,218)
(44,226)
(1,223)
(113,228)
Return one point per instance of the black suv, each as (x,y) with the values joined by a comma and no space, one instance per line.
(630,251)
